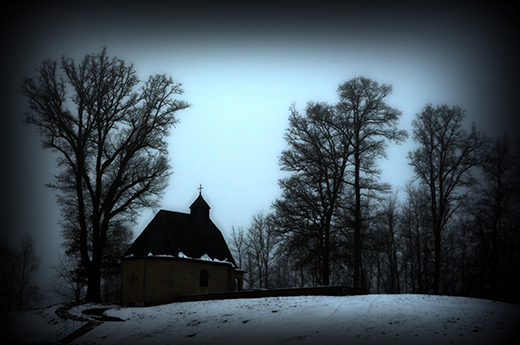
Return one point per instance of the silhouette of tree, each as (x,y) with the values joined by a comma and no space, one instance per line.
(261,247)
(317,158)
(495,209)
(369,123)
(334,149)
(17,269)
(110,143)
(443,163)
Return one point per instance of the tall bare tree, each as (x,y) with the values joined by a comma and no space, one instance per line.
(443,162)
(369,123)
(317,158)
(496,203)
(110,141)
(333,148)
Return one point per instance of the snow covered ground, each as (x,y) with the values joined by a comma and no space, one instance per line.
(37,326)
(369,319)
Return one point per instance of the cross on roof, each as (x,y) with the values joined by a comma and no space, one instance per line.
(200,189)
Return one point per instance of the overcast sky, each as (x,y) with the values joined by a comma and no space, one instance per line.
(241,69)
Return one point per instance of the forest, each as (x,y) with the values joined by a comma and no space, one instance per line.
(452,230)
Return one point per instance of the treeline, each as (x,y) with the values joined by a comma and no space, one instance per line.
(454,229)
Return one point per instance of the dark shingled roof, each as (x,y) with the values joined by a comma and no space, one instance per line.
(172,232)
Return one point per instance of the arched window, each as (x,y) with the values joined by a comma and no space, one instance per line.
(204,278)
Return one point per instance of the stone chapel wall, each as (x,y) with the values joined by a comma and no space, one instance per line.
(164,278)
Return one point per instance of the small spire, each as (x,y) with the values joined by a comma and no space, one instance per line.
(200,190)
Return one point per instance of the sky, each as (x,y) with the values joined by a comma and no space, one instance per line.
(242,67)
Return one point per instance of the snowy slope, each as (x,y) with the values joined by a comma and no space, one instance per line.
(369,319)
(36,326)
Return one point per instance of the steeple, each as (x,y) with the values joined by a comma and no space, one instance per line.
(200,210)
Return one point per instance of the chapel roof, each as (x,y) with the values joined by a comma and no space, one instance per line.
(171,233)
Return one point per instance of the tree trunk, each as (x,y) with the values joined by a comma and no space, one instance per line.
(437,269)
(94,271)
(326,256)
(494,265)
(357,220)
(94,283)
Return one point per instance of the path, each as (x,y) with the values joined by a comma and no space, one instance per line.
(64,313)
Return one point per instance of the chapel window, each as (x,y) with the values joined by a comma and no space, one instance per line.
(204,278)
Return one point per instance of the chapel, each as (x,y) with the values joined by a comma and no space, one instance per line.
(178,254)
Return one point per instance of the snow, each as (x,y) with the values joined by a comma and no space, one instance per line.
(37,326)
(368,319)
(205,257)
(181,255)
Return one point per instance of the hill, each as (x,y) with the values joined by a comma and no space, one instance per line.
(369,319)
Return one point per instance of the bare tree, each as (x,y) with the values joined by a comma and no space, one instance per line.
(110,142)
(495,205)
(29,264)
(369,123)
(333,149)
(317,158)
(443,162)
(261,248)
(17,269)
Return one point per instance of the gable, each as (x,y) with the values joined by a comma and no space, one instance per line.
(170,233)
